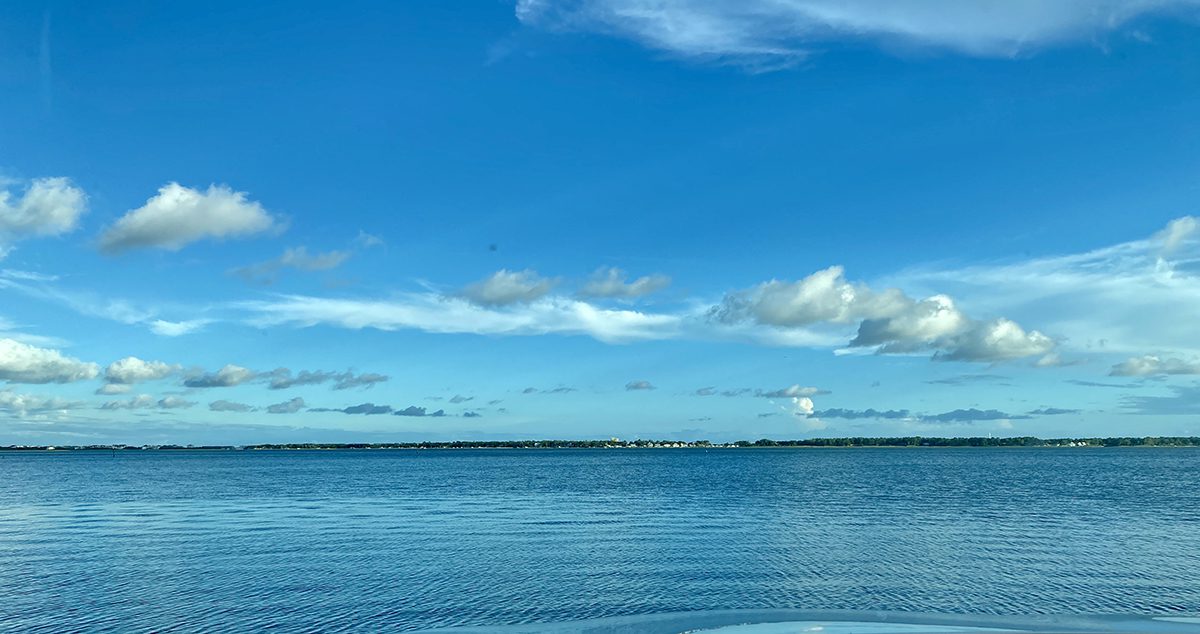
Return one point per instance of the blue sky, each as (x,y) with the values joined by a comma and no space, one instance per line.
(225,223)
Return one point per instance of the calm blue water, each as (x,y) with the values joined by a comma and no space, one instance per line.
(204,541)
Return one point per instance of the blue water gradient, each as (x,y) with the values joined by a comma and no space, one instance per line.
(369,540)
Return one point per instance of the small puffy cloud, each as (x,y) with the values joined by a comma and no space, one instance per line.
(802,406)
(638,385)
(506,287)
(458,398)
(25,363)
(1177,232)
(413,410)
(472,415)
(113,389)
(48,207)
(176,328)
(26,404)
(174,402)
(792,391)
(228,376)
(282,378)
(134,370)
(294,258)
(231,406)
(287,407)
(611,283)
(180,215)
(1150,365)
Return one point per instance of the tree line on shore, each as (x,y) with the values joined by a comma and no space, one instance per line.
(854,441)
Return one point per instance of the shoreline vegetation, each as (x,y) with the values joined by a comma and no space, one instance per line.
(616,443)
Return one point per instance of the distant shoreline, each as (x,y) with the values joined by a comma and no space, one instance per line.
(911,442)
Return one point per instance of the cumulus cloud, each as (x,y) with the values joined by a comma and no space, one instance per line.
(767,34)
(228,376)
(505,287)
(25,363)
(1120,299)
(297,258)
(180,215)
(28,404)
(1150,365)
(287,407)
(888,321)
(231,406)
(611,283)
(47,207)
(802,406)
(638,385)
(134,370)
(282,378)
(112,389)
(413,410)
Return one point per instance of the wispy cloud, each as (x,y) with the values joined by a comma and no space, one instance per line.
(767,34)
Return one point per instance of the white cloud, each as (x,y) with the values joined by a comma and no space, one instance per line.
(610,282)
(180,215)
(145,401)
(506,287)
(176,328)
(113,389)
(889,320)
(295,258)
(230,406)
(1122,299)
(1177,232)
(26,404)
(48,207)
(287,407)
(228,376)
(134,370)
(768,34)
(24,363)
(438,314)
(792,391)
(1150,365)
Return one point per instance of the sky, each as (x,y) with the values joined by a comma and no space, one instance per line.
(232,223)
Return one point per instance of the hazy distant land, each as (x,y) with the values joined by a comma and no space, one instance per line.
(615,443)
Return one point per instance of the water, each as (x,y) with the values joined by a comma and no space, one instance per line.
(369,540)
